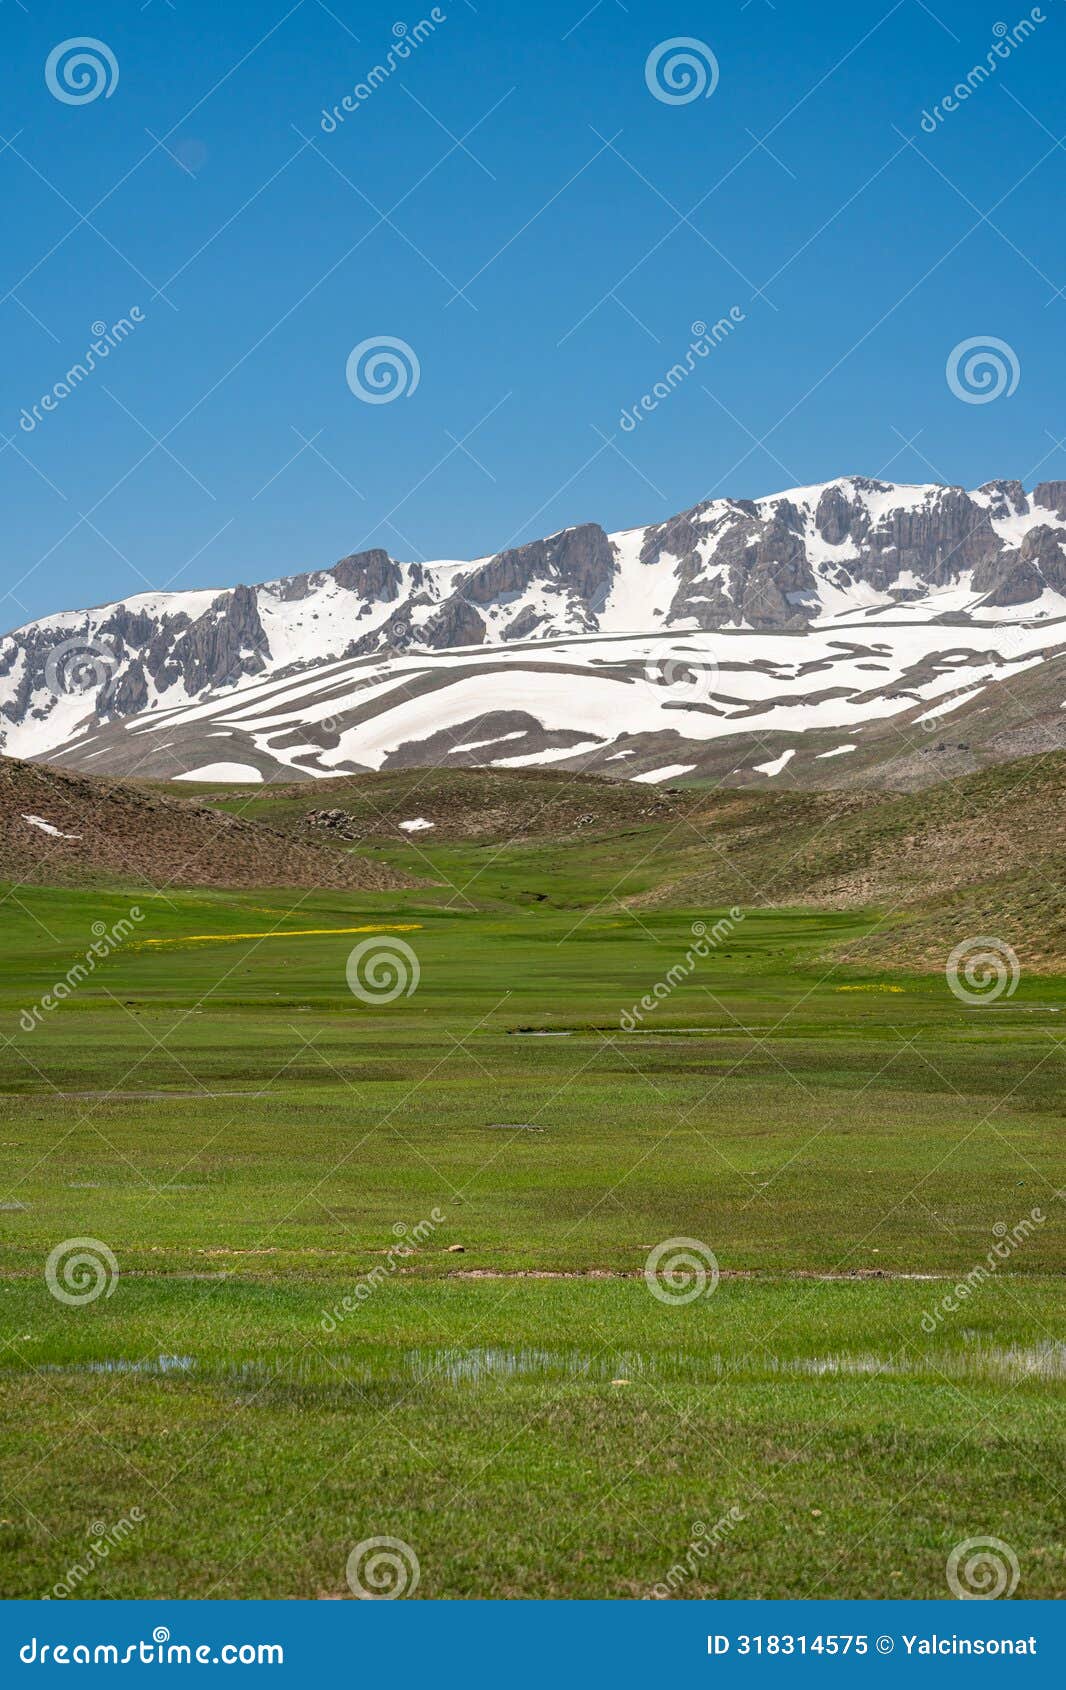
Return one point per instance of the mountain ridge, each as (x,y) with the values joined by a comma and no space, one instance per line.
(721,590)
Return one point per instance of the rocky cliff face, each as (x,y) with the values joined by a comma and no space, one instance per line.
(937,541)
(579,561)
(784,562)
(1018,577)
(372,575)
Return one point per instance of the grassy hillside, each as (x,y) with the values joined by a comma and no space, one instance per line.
(482,806)
(58,828)
(984,853)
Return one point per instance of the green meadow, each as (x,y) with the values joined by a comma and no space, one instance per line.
(378,1268)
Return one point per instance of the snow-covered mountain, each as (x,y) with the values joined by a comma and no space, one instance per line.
(832,610)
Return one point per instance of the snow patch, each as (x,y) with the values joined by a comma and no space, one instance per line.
(246,773)
(558,755)
(776,764)
(950,705)
(480,744)
(46,827)
(652,777)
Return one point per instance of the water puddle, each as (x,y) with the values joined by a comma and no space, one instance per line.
(201,1096)
(475,1366)
(980,1361)
(1024,1008)
(598,1032)
(155,1367)
(1045,1361)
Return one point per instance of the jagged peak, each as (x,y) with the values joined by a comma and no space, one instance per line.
(794,559)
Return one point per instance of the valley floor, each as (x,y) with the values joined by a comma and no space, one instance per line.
(377,1269)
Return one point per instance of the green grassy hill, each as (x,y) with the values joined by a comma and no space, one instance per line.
(985,852)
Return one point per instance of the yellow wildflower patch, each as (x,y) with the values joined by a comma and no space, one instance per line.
(281,933)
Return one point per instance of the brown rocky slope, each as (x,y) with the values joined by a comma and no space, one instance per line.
(61,828)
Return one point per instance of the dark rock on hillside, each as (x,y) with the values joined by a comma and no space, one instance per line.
(373,575)
(737,566)
(226,642)
(455,623)
(1008,498)
(1051,496)
(580,560)
(130,692)
(772,583)
(1021,576)
(525,624)
(833,516)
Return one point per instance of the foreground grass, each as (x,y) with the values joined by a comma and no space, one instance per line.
(484,1425)
(251,1141)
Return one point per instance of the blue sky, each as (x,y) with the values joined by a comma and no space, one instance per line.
(515,204)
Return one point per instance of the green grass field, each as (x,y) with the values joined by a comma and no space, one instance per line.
(255,1144)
